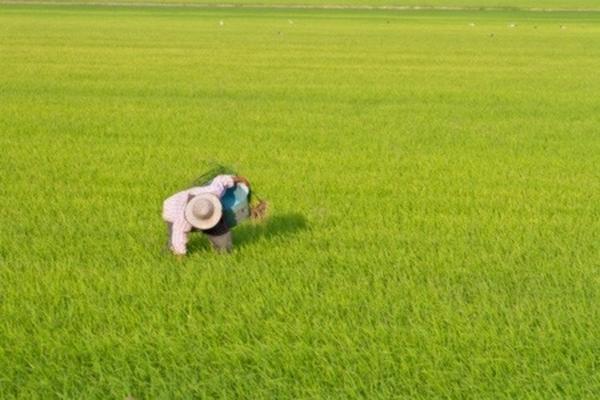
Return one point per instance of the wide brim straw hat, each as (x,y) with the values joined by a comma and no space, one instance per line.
(204,211)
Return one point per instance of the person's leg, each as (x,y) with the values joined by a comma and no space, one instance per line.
(220,237)
(221,243)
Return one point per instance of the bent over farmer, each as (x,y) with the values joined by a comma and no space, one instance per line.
(200,209)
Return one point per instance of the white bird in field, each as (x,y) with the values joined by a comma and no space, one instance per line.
(221,23)
(512,25)
(471,24)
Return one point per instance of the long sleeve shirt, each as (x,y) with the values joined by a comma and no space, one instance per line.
(174,210)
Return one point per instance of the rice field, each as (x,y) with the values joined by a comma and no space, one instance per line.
(435,187)
(590,5)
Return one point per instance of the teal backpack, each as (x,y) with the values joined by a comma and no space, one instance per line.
(235,200)
(236,204)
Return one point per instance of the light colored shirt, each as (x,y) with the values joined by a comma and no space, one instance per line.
(174,210)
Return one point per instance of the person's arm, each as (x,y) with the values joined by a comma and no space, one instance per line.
(179,236)
(217,186)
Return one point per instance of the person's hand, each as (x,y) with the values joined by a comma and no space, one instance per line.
(178,256)
(241,179)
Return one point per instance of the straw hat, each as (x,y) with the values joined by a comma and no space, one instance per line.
(203,211)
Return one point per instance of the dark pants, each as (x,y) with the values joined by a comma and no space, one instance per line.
(219,236)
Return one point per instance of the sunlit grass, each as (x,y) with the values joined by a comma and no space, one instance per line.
(507,4)
(435,188)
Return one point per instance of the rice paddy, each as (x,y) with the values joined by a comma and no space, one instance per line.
(435,188)
(474,4)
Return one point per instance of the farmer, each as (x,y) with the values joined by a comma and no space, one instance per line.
(200,209)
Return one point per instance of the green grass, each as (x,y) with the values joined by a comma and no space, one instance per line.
(435,192)
(516,4)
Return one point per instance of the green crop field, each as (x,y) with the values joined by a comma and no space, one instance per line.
(588,5)
(435,186)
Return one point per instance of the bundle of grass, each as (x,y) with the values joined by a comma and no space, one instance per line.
(210,171)
(258,209)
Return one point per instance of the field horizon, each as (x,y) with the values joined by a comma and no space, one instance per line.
(481,5)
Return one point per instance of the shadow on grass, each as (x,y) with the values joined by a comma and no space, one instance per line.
(272,229)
